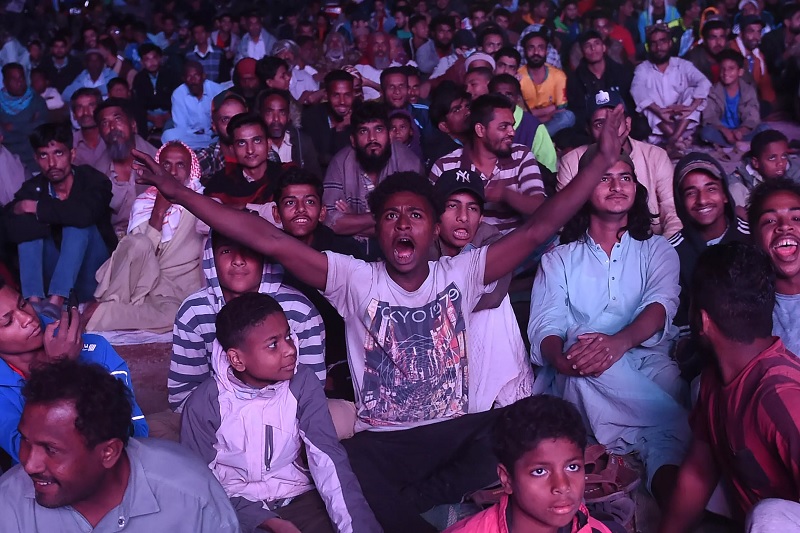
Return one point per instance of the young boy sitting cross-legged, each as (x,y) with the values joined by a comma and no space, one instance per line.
(539,442)
(408,322)
(250,421)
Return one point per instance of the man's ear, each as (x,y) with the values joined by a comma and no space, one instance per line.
(480,130)
(353,141)
(754,162)
(505,478)
(235,359)
(443,127)
(323,214)
(276,214)
(437,228)
(706,324)
(110,452)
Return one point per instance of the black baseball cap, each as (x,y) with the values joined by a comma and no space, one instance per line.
(458,180)
(601,99)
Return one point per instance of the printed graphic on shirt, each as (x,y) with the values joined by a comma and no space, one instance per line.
(416,361)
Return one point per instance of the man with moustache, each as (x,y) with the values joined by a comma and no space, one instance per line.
(704,55)
(356,170)
(328,123)
(670,92)
(116,120)
(89,146)
(212,159)
(287,144)
(191,106)
(377,60)
(60,221)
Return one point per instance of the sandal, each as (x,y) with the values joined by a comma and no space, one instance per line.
(607,475)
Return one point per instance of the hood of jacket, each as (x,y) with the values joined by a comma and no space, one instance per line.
(689,230)
(271,277)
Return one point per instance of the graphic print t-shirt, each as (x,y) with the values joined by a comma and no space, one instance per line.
(407,350)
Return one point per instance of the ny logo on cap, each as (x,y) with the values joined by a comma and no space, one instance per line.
(602,98)
(463,176)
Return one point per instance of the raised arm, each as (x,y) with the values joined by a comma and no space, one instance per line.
(509,252)
(308,265)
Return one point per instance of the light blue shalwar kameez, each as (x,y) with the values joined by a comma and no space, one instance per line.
(637,404)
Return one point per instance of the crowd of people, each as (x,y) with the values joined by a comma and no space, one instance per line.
(427,266)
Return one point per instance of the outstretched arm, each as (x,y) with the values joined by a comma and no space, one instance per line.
(509,252)
(308,265)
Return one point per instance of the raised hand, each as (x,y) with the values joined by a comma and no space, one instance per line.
(67,341)
(609,144)
(151,173)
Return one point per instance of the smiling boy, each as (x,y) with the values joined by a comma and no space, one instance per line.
(407,323)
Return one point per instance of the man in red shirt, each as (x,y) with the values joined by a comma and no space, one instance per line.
(747,419)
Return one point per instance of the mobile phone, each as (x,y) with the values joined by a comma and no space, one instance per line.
(72,302)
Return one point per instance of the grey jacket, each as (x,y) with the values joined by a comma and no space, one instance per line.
(748,106)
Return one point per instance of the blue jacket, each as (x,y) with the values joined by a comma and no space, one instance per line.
(95,350)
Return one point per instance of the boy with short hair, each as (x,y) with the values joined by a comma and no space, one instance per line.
(539,442)
(731,116)
(401,128)
(768,159)
(251,421)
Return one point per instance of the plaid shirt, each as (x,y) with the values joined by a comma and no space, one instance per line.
(210,61)
(211,161)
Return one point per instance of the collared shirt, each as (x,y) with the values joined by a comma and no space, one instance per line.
(284,151)
(552,91)
(653,170)
(211,160)
(256,49)
(518,172)
(85,80)
(579,289)
(85,154)
(193,114)
(680,83)
(168,490)
(210,60)
(301,82)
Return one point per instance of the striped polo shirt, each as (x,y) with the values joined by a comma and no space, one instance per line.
(519,171)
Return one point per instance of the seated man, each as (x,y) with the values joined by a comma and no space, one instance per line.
(328,123)
(747,43)
(232,270)
(60,221)
(80,470)
(355,172)
(505,376)
(153,86)
(773,213)
(706,209)
(670,92)
(651,163)
(298,208)
(116,120)
(490,151)
(30,340)
(157,264)
(96,74)
(213,158)
(191,108)
(601,324)
(449,114)
(768,159)
(395,93)
(408,323)
(747,416)
(287,143)
(539,433)
(257,386)
(89,145)
(21,111)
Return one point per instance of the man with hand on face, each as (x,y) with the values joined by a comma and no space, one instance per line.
(328,123)
(212,159)
(355,172)
(60,221)
(287,144)
(79,469)
(116,121)
(191,106)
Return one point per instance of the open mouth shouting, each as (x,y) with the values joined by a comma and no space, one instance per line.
(461,234)
(785,248)
(404,250)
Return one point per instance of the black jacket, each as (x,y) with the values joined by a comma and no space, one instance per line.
(327,141)
(149,98)
(582,84)
(87,205)
(61,78)
(304,154)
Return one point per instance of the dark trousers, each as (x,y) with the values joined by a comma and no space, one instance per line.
(407,472)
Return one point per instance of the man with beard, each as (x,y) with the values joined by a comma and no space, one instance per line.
(781,49)
(287,144)
(745,422)
(442,29)
(704,55)
(116,121)
(670,92)
(514,187)
(328,124)
(246,82)
(61,69)
(60,221)
(89,146)
(96,74)
(377,60)
(191,106)
(756,72)
(101,478)
(544,87)
(212,159)
(355,171)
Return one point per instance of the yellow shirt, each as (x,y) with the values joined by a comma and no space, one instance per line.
(552,91)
